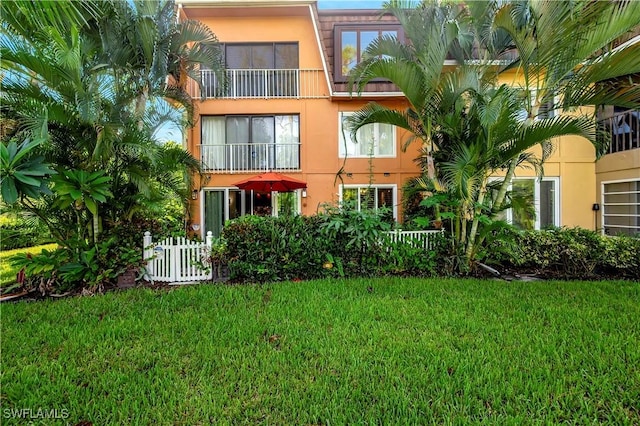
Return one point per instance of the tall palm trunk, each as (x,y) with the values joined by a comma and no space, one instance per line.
(476,220)
(502,193)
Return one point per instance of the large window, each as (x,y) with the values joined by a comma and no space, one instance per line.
(535,203)
(251,142)
(370,196)
(261,55)
(256,70)
(351,42)
(376,139)
(222,204)
(621,207)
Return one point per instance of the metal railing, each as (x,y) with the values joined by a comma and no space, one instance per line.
(262,84)
(624,128)
(250,157)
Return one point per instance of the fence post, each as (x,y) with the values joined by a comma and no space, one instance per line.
(147,251)
(209,239)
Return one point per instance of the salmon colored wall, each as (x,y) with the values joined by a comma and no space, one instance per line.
(319,136)
(251,29)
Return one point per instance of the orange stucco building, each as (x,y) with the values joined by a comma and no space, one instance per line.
(282,110)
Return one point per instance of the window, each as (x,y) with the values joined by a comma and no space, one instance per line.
(376,139)
(250,142)
(256,70)
(374,196)
(621,207)
(261,55)
(351,42)
(222,204)
(535,204)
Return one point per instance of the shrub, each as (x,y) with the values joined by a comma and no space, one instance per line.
(333,244)
(267,248)
(571,253)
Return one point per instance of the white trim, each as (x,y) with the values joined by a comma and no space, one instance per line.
(620,180)
(367,94)
(557,199)
(603,204)
(225,190)
(392,186)
(275,203)
(321,50)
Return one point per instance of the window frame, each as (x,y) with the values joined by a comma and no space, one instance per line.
(357,187)
(223,47)
(604,204)
(342,133)
(251,141)
(338,29)
(536,200)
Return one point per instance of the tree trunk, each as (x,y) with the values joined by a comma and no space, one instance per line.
(497,204)
(474,227)
(141,106)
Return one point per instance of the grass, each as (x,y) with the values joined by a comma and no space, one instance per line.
(383,351)
(7,271)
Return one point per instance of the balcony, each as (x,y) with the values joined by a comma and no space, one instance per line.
(624,128)
(263,84)
(250,157)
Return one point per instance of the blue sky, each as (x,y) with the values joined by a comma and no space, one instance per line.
(349,4)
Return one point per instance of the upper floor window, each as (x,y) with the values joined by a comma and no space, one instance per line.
(351,42)
(250,142)
(376,140)
(261,55)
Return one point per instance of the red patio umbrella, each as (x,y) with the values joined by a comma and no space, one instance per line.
(271,181)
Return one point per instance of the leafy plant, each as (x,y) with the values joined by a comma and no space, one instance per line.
(23,173)
(81,189)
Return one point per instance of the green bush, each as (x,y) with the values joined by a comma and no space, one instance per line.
(574,253)
(333,244)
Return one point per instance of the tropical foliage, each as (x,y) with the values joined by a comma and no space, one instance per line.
(471,126)
(85,88)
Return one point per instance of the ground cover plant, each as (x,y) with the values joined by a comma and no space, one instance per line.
(367,351)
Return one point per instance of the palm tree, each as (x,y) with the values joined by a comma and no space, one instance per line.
(470,126)
(66,81)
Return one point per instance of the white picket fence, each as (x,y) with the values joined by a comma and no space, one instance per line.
(177,260)
(421,239)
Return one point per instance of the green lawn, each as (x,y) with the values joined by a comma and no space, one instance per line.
(385,351)
(7,271)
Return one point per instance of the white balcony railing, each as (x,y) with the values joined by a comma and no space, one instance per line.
(262,84)
(250,157)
